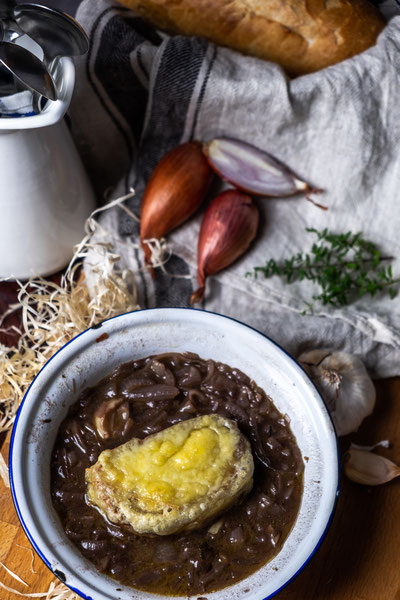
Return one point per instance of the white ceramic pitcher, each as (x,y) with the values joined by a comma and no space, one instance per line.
(45,195)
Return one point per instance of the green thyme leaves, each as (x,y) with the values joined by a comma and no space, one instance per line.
(344,266)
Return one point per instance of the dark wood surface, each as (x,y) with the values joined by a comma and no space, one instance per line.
(358,559)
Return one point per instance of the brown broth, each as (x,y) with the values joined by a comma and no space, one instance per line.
(242,539)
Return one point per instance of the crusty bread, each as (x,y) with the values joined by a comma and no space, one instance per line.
(301,35)
(110,488)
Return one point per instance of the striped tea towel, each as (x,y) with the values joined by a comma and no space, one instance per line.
(140,93)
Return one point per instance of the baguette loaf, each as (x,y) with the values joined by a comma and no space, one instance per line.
(301,35)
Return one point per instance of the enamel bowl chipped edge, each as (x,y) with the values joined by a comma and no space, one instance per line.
(88,357)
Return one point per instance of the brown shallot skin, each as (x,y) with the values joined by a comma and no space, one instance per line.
(174,192)
(228,228)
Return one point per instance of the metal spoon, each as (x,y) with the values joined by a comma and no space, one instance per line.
(57,33)
(27,69)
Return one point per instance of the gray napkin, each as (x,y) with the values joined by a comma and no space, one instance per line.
(140,93)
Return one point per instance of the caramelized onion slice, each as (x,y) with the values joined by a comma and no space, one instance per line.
(112,418)
(156,391)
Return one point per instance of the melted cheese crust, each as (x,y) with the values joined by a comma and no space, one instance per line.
(175,480)
(177,466)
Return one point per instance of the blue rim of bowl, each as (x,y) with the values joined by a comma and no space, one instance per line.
(98,326)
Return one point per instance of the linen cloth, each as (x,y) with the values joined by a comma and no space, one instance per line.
(139,93)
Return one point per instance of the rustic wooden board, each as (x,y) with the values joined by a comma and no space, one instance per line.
(15,549)
(357,561)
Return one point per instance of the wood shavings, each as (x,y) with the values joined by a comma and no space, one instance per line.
(4,472)
(52,314)
(58,591)
(160,252)
(14,575)
(32,557)
(55,592)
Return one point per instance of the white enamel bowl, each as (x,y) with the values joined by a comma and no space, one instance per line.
(85,360)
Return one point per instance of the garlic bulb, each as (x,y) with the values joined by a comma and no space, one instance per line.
(369,468)
(344,384)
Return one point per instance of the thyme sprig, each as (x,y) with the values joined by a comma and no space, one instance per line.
(345,266)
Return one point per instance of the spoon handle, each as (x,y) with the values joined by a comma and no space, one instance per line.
(27,69)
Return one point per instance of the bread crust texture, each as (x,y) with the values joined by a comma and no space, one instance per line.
(302,36)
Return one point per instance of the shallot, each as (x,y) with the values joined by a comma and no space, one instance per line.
(174,192)
(252,170)
(229,226)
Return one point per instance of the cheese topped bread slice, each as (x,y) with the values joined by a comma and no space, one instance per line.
(174,480)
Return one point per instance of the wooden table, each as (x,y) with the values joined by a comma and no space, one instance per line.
(358,559)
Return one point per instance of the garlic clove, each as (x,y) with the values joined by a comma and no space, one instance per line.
(369,468)
(344,384)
